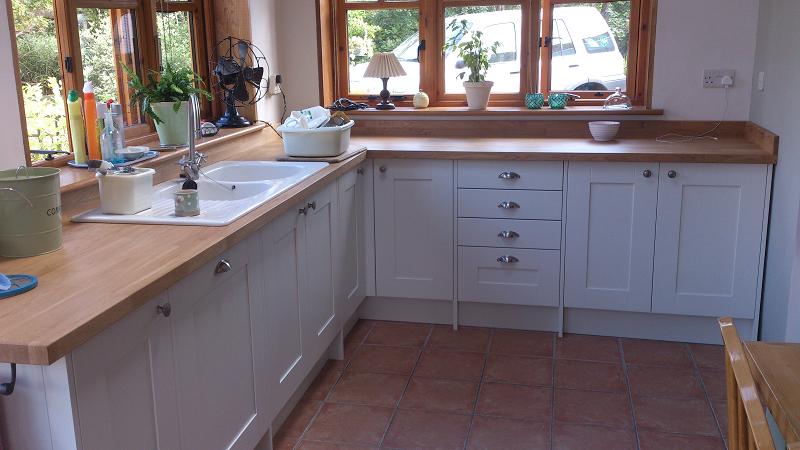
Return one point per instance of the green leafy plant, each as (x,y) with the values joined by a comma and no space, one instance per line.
(171,85)
(471,49)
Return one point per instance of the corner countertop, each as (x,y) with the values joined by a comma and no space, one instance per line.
(90,284)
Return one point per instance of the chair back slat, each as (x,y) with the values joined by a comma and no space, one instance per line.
(747,424)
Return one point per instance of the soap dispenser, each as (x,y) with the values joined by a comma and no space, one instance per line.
(111,141)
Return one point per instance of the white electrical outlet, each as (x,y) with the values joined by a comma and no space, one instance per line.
(761,80)
(712,78)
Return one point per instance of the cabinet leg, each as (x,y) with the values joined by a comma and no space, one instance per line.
(336,349)
(455,314)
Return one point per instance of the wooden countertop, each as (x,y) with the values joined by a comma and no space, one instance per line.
(105,271)
(723,150)
(777,374)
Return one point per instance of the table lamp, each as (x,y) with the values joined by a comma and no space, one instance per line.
(384,66)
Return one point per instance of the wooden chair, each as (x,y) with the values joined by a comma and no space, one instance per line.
(747,425)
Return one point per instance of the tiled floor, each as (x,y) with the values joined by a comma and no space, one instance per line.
(415,386)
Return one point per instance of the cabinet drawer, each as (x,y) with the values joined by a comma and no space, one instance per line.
(529,277)
(509,204)
(546,175)
(538,234)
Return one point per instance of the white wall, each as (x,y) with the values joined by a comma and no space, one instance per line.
(264,35)
(691,36)
(778,109)
(11,150)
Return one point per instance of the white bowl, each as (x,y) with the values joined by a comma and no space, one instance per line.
(132,153)
(604,130)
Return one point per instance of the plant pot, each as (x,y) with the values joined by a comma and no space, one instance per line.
(478,93)
(174,128)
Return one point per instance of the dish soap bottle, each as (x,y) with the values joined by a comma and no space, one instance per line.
(111,141)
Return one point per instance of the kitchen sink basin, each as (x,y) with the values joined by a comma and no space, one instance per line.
(227,190)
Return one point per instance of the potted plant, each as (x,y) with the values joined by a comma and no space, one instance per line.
(474,55)
(165,98)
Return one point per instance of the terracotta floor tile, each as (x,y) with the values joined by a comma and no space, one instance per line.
(398,333)
(593,408)
(281,442)
(653,440)
(721,411)
(451,365)
(383,359)
(515,401)
(492,433)
(350,348)
(589,348)
(714,381)
(468,339)
(590,376)
(688,416)
(300,417)
(322,385)
(523,343)
(359,331)
(708,356)
(349,424)
(376,389)
(656,353)
(519,370)
(422,429)
(581,437)
(433,394)
(317,445)
(664,382)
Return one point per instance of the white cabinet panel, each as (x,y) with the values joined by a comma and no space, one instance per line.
(509,276)
(213,335)
(509,204)
(125,385)
(546,175)
(611,214)
(538,234)
(414,228)
(708,239)
(284,255)
(317,289)
(350,264)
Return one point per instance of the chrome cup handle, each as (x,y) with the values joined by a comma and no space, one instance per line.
(27,200)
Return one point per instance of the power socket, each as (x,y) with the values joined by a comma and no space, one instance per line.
(277,89)
(713,78)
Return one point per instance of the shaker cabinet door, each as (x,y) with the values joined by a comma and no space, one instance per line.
(350,264)
(414,235)
(611,214)
(708,239)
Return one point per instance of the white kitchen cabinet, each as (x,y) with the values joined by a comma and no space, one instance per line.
(215,322)
(414,235)
(610,230)
(317,290)
(125,384)
(708,239)
(351,267)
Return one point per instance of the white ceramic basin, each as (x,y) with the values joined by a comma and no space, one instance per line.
(228,190)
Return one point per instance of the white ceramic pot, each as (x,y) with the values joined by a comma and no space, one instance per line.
(478,93)
(174,130)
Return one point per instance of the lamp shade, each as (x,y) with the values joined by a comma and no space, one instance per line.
(384,65)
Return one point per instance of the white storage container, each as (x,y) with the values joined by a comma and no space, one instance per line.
(126,192)
(316,142)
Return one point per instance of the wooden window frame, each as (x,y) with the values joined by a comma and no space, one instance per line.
(333,51)
(147,47)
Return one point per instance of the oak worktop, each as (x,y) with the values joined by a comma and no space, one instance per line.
(105,271)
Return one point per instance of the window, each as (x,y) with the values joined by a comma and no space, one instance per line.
(586,48)
(62,43)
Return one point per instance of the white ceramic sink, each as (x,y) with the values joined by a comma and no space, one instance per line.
(228,190)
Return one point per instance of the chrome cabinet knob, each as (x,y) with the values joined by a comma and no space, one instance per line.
(312,205)
(509,176)
(382,169)
(165,309)
(303,210)
(508,205)
(647,173)
(360,171)
(672,174)
(223,266)
(506,259)
(508,235)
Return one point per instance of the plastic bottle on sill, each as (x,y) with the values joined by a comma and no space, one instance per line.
(111,141)
(90,117)
(76,127)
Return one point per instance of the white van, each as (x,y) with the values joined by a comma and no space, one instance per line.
(585,55)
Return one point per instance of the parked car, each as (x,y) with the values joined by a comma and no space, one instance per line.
(585,54)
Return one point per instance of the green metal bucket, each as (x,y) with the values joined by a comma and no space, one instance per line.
(30,211)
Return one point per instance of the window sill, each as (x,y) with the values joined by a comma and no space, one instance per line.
(522,111)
